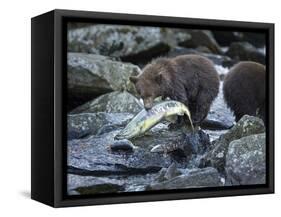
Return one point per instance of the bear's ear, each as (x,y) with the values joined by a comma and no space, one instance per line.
(159,78)
(134,79)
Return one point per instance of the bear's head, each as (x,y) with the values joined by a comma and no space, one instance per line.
(149,84)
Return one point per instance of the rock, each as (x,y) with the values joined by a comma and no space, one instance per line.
(85,124)
(207,177)
(245,161)
(172,172)
(219,112)
(161,175)
(126,42)
(257,39)
(92,185)
(216,58)
(92,75)
(77,185)
(225,38)
(202,38)
(245,51)
(187,144)
(100,189)
(92,155)
(122,145)
(114,102)
(246,126)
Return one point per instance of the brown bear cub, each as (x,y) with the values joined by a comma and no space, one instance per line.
(190,79)
(244,89)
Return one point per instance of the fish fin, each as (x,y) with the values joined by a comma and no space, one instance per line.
(187,112)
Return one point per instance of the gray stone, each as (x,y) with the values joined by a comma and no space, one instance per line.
(207,177)
(245,51)
(172,172)
(246,126)
(122,145)
(202,38)
(245,160)
(93,75)
(85,124)
(114,102)
(93,155)
(216,58)
(79,185)
(123,41)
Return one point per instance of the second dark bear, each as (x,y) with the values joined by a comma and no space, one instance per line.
(190,79)
(244,89)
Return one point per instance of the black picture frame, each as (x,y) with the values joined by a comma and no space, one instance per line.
(48,149)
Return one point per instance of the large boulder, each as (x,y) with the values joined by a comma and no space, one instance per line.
(114,102)
(206,177)
(127,42)
(216,58)
(85,124)
(246,126)
(245,161)
(203,38)
(92,75)
(245,51)
(225,38)
(79,185)
(257,39)
(94,156)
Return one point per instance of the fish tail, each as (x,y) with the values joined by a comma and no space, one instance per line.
(187,112)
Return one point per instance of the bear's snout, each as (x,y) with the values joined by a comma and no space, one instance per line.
(148,103)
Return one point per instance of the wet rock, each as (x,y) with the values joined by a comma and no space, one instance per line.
(161,175)
(92,185)
(216,58)
(127,42)
(257,39)
(245,160)
(246,126)
(245,51)
(85,124)
(78,185)
(92,75)
(225,38)
(100,189)
(187,144)
(172,172)
(202,38)
(219,110)
(122,145)
(91,156)
(207,177)
(114,102)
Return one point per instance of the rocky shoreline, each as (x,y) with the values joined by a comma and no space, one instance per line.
(102,100)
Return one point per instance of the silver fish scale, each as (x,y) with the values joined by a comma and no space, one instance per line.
(163,108)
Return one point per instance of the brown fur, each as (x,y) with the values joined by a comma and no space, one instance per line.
(190,79)
(244,89)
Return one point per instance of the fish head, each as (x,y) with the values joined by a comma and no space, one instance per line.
(148,103)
